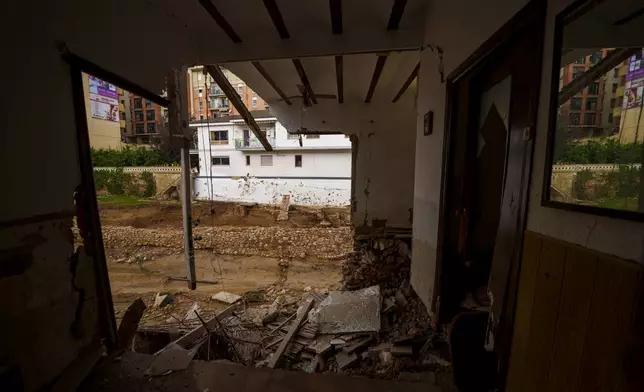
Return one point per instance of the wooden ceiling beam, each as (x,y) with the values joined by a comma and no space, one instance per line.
(335,7)
(407,83)
(380,64)
(305,80)
(260,68)
(339,78)
(235,99)
(276,17)
(396,14)
(220,20)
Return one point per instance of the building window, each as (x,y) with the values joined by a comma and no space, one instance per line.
(148,103)
(591,104)
(152,127)
(616,73)
(218,137)
(593,89)
(140,128)
(247,160)
(149,115)
(138,115)
(200,105)
(312,136)
(575,118)
(221,161)
(298,161)
(610,118)
(581,61)
(200,93)
(198,76)
(576,72)
(266,160)
(144,139)
(589,119)
(122,114)
(595,57)
(240,89)
(575,104)
(138,103)
(292,136)
(254,102)
(614,87)
(612,103)
(201,117)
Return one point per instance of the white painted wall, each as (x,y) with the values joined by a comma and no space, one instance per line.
(617,237)
(323,179)
(459,34)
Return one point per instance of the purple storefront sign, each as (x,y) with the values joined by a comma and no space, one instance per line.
(635,68)
(106,92)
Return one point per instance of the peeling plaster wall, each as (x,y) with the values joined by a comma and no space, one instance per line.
(38,151)
(458,33)
(617,237)
(384,179)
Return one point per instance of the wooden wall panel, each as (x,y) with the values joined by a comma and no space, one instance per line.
(574,319)
(574,311)
(523,315)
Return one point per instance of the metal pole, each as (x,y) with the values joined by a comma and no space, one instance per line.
(186,207)
(178,124)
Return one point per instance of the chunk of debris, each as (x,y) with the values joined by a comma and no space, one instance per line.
(286,203)
(344,359)
(226,297)
(322,344)
(173,358)
(162,299)
(302,312)
(318,364)
(385,357)
(338,342)
(388,304)
(191,314)
(401,350)
(130,323)
(401,300)
(349,311)
(358,344)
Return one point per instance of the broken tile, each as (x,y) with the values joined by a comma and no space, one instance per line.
(349,311)
(226,297)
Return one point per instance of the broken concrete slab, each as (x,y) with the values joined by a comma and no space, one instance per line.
(360,343)
(226,297)
(349,311)
(172,359)
(345,359)
(321,344)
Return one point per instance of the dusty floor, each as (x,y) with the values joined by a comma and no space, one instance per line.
(143,271)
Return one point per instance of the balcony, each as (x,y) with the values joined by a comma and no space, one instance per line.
(252,143)
(216,92)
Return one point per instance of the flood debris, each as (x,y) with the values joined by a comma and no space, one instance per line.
(162,299)
(226,297)
(349,311)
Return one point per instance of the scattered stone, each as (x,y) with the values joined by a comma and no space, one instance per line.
(161,300)
(385,357)
(307,289)
(226,297)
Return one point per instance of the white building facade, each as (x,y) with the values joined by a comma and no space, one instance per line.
(233,165)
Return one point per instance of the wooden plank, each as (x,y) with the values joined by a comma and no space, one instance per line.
(544,315)
(574,311)
(276,17)
(377,71)
(291,333)
(335,6)
(260,68)
(396,14)
(339,78)
(220,20)
(234,98)
(130,323)
(304,79)
(525,298)
(186,340)
(609,325)
(407,83)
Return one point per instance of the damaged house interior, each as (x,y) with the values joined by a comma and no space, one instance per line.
(495,240)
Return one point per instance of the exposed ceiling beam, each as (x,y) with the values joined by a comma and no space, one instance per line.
(396,14)
(234,98)
(299,46)
(305,81)
(338,78)
(260,68)
(336,16)
(612,60)
(633,15)
(276,16)
(407,83)
(220,20)
(380,64)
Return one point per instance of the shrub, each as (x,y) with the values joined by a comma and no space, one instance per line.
(150,185)
(599,151)
(131,156)
(580,185)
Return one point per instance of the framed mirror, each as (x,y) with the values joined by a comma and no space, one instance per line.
(596,135)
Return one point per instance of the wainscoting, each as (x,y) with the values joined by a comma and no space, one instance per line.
(579,321)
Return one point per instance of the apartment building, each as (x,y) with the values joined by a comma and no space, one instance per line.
(207,100)
(233,165)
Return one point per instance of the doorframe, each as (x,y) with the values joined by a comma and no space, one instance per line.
(530,16)
(85,198)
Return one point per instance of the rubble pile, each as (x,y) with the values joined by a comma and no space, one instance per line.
(380,261)
(325,243)
(362,332)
